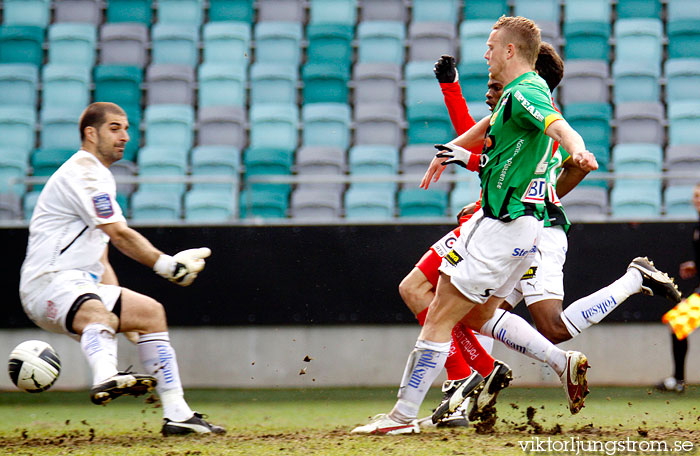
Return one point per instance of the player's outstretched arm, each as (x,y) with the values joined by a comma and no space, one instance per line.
(181,268)
(571,175)
(572,142)
(467,140)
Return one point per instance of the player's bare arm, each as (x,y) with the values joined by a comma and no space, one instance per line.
(572,142)
(571,175)
(131,243)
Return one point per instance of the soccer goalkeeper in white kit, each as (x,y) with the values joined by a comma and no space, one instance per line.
(68,286)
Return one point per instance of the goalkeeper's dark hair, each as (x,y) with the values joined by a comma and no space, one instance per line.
(549,65)
(95,115)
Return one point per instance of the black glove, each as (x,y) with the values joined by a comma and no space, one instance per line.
(445,69)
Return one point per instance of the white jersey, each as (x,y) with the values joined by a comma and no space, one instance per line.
(63,233)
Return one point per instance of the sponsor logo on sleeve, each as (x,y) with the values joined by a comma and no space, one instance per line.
(453,258)
(103,205)
(528,106)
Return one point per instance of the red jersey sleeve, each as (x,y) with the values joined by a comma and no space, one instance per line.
(457,108)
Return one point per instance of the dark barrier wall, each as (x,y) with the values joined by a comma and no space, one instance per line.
(346,274)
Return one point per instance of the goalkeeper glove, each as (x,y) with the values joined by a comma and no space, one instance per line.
(182,268)
(445,69)
(458,155)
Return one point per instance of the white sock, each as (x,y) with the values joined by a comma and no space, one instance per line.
(99,345)
(158,358)
(485,342)
(591,309)
(519,335)
(422,368)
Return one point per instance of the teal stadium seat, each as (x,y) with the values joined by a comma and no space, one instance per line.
(262,162)
(435,11)
(278,42)
(155,206)
(683,38)
(210,205)
(635,81)
(466,191)
(46,161)
(682,10)
(325,83)
(227,42)
(636,199)
(538,10)
(13,166)
(639,40)
(678,202)
(363,203)
(65,85)
(417,202)
(378,161)
(587,40)
(333,12)
(421,85)
(29,203)
(273,83)
(627,9)
(429,124)
(587,11)
(330,43)
(602,156)
(189,12)
(218,162)
(119,84)
(133,113)
(591,121)
(175,44)
(472,38)
(18,84)
(473,78)
(326,124)
(59,127)
(274,126)
(17,125)
(221,84)
(231,10)
(169,125)
(72,44)
(264,203)
(129,11)
(684,122)
(682,79)
(166,162)
(485,9)
(381,42)
(27,12)
(636,158)
(21,44)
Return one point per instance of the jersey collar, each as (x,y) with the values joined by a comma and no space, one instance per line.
(519,79)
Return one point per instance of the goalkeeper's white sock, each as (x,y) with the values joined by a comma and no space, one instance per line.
(422,368)
(519,335)
(591,309)
(99,345)
(158,358)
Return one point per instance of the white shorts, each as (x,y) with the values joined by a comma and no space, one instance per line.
(490,256)
(48,301)
(547,280)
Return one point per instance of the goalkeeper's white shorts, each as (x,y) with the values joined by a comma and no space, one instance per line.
(545,280)
(490,256)
(48,300)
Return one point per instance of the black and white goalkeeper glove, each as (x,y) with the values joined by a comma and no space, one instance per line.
(183,267)
(445,69)
(458,155)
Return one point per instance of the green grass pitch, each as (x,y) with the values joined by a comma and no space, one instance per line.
(318,421)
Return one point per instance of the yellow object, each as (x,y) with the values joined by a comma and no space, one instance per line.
(685,317)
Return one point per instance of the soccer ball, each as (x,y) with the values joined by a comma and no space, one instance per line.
(34,366)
